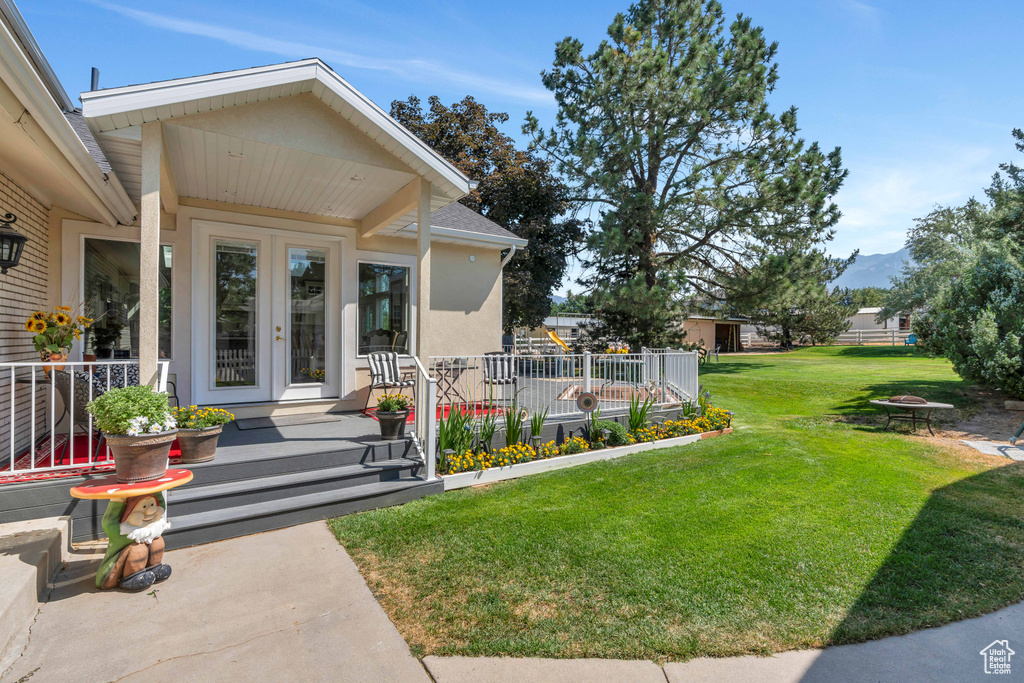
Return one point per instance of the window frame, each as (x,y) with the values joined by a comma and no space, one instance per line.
(410,307)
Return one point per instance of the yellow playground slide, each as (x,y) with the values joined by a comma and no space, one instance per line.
(558,340)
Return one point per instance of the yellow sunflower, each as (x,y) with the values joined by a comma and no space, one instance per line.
(66,309)
(39,315)
(30,324)
(83,321)
(62,319)
(38,326)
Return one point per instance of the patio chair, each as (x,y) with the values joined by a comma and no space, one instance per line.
(62,382)
(500,370)
(385,374)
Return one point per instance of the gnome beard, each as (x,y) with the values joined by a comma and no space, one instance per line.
(144,521)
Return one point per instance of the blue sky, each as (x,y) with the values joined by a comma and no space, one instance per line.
(921,96)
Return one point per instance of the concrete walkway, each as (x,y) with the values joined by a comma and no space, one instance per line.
(291,605)
(286,605)
(947,653)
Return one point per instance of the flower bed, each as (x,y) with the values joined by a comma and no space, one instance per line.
(711,421)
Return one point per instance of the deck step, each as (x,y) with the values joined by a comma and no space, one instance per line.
(202,498)
(254,517)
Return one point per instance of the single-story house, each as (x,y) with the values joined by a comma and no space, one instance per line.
(260,229)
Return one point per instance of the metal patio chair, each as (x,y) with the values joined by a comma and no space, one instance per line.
(385,374)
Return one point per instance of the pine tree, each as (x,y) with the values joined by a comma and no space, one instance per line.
(666,128)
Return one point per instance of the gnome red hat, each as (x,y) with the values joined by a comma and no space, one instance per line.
(132,503)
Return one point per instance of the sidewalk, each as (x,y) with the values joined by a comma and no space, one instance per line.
(284,605)
(947,653)
(291,605)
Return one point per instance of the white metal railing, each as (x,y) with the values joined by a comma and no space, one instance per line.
(891,337)
(30,395)
(425,418)
(553,382)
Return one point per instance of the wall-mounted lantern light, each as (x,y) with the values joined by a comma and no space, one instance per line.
(11,244)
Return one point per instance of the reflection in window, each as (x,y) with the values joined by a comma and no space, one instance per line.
(111,296)
(236,309)
(307,270)
(383,308)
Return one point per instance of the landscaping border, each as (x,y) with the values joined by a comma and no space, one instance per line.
(465,479)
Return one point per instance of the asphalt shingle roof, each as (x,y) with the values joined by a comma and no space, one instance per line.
(81,129)
(459,217)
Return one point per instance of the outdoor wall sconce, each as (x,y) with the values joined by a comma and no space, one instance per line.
(11,244)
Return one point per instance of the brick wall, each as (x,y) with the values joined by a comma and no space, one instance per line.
(22,291)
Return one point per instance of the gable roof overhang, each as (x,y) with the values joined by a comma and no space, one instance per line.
(117,108)
(57,165)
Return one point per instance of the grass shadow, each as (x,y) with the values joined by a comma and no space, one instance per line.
(959,558)
(942,391)
(722,368)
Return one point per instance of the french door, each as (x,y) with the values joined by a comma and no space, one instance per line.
(266,315)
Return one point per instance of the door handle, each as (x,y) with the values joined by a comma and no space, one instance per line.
(278,338)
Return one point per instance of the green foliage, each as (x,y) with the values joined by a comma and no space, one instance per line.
(618,436)
(981,324)
(132,411)
(638,412)
(943,245)
(866,297)
(514,420)
(537,423)
(486,428)
(393,403)
(517,190)
(799,308)
(666,128)
(194,417)
(455,431)
(574,303)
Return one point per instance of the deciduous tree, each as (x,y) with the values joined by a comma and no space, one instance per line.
(516,189)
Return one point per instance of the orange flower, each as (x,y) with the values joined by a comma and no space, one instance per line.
(38,326)
(38,315)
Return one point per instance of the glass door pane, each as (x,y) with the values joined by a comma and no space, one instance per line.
(307,272)
(235,314)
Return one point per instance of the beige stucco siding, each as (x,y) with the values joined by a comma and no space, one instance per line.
(465,301)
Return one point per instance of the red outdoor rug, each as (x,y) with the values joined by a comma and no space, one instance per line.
(103,462)
(477,409)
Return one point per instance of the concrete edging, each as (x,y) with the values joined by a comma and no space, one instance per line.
(494,474)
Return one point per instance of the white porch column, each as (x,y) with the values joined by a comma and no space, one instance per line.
(149,253)
(423,270)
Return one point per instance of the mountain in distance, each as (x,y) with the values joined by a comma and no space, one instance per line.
(872,270)
(555,299)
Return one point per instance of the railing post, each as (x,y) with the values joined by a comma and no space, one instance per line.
(586,371)
(430,447)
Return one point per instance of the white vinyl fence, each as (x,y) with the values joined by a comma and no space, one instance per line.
(851,338)
(553,382)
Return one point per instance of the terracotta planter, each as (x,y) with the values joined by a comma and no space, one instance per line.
(55,358)
(198,445)
(141,458)
(392,425)
(88,358)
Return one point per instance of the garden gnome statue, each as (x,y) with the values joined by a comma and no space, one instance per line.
(134,558)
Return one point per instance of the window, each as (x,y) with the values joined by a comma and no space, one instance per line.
(383,308)
(308,271)
(110,287)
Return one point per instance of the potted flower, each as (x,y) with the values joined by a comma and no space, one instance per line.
(139,428)
(55,333)
(392,414)
(198,431)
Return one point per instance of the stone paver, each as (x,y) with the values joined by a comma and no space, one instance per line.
(996,448)
(947,653)
(502,669)
(284,605)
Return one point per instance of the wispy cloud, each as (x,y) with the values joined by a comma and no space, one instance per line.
(412,70)
(882,197)
(863,12)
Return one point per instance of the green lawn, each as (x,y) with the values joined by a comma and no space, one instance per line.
(797,530)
